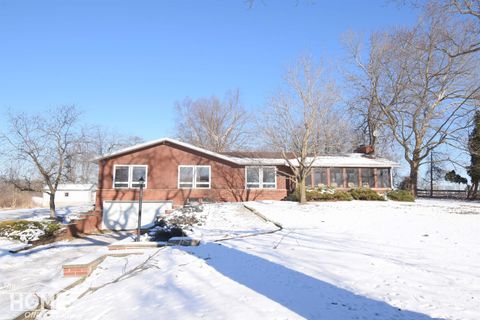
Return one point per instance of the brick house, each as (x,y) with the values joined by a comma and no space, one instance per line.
(175,172)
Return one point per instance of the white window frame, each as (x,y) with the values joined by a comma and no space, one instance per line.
(130,174)
(260,177)
(194,182)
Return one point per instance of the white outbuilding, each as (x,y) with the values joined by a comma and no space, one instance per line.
(72,194)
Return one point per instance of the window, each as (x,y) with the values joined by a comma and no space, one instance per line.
(352,177)
(121,176)
(368,178)
(137,173)
(202,177)
(185,179)
(194,177)
(269,178)
(127,176)
(253,177)
(336,177)
(261,177)
(383,178)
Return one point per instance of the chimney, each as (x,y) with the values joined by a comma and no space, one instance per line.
(365,149)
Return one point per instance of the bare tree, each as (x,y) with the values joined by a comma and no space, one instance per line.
(426,95)
(213,124)
(44,142)
(293,122)
(20,179)
(93,141)
(464,18)
(363,82)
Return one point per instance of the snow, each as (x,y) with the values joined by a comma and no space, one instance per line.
(67,213)
(334,260)
(40,269)
(30,234)
(344,160)
(227,220)
(73,187)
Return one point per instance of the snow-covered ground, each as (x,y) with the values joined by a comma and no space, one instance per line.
(42,213)
(224,221)
(24,273)
(336,260)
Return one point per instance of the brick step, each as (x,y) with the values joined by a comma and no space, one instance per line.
(84,266)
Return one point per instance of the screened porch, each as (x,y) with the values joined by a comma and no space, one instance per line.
(347,178)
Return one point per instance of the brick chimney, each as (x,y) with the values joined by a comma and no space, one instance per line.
(365,149)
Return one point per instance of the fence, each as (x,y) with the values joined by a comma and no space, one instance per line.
(442,194)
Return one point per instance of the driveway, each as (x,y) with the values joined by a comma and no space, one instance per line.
(41,213)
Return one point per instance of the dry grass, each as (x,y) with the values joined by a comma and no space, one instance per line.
(11,198)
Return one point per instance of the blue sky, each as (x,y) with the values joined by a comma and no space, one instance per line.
(125,63)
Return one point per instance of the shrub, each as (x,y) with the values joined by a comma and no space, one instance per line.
(167,233)
(343,196)
(331,195)
(51,228)
(401,195)
(320,194)
(181,220)
(294,196)
(365,194)
(25,230)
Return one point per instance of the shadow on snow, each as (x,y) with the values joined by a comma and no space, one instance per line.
(306,296)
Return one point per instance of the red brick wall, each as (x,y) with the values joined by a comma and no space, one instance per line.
(227,179)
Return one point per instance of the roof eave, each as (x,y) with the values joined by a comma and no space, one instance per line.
(160,141)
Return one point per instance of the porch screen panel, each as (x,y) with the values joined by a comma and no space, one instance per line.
(336,177)
(320,177)
(352,177)
(383,178)
(308,181)
(368,178)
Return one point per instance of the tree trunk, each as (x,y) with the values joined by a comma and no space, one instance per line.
(52,205)
(472,194)
(414,177)
(302,189)
(431,174)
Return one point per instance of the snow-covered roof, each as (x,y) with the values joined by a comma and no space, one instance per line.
(352,160)
(160,141)
(74,187)
(341,160)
